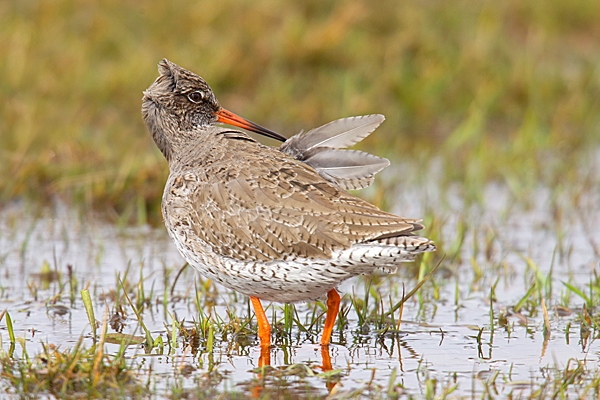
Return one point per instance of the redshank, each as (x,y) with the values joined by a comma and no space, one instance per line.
(260,220)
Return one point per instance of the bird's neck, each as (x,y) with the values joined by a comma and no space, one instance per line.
(193,148)
(162,143)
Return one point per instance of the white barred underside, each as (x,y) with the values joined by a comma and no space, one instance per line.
(300,279)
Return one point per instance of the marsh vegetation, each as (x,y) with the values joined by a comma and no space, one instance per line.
(493,130)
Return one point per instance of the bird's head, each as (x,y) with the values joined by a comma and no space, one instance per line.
(179,102)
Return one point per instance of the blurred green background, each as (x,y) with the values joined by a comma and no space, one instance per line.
(494,90)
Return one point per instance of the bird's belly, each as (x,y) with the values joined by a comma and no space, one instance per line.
(281,281)
(289,280)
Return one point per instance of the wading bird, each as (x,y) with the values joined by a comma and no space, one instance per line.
(273,224)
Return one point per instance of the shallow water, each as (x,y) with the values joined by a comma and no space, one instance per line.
(446,336)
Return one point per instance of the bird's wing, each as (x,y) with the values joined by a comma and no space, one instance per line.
(275,207)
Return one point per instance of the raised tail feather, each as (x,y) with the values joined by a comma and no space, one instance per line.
(321,148)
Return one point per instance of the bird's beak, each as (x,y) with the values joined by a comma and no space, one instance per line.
(227,117)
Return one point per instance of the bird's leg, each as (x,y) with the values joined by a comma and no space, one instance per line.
(326,359)
(264,335)
(333,307)
(264,330)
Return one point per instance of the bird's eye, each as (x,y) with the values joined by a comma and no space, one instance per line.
(196,96)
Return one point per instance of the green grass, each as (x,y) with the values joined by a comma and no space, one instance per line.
(74,372)
(495,90)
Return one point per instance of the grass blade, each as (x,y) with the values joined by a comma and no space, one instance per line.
(89,310)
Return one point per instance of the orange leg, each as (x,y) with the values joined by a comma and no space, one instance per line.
(326,359)
(264,329)
(265,356)
(333,307)
(264,335)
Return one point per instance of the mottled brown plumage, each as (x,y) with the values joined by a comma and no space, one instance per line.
(255,218)
(259,213)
